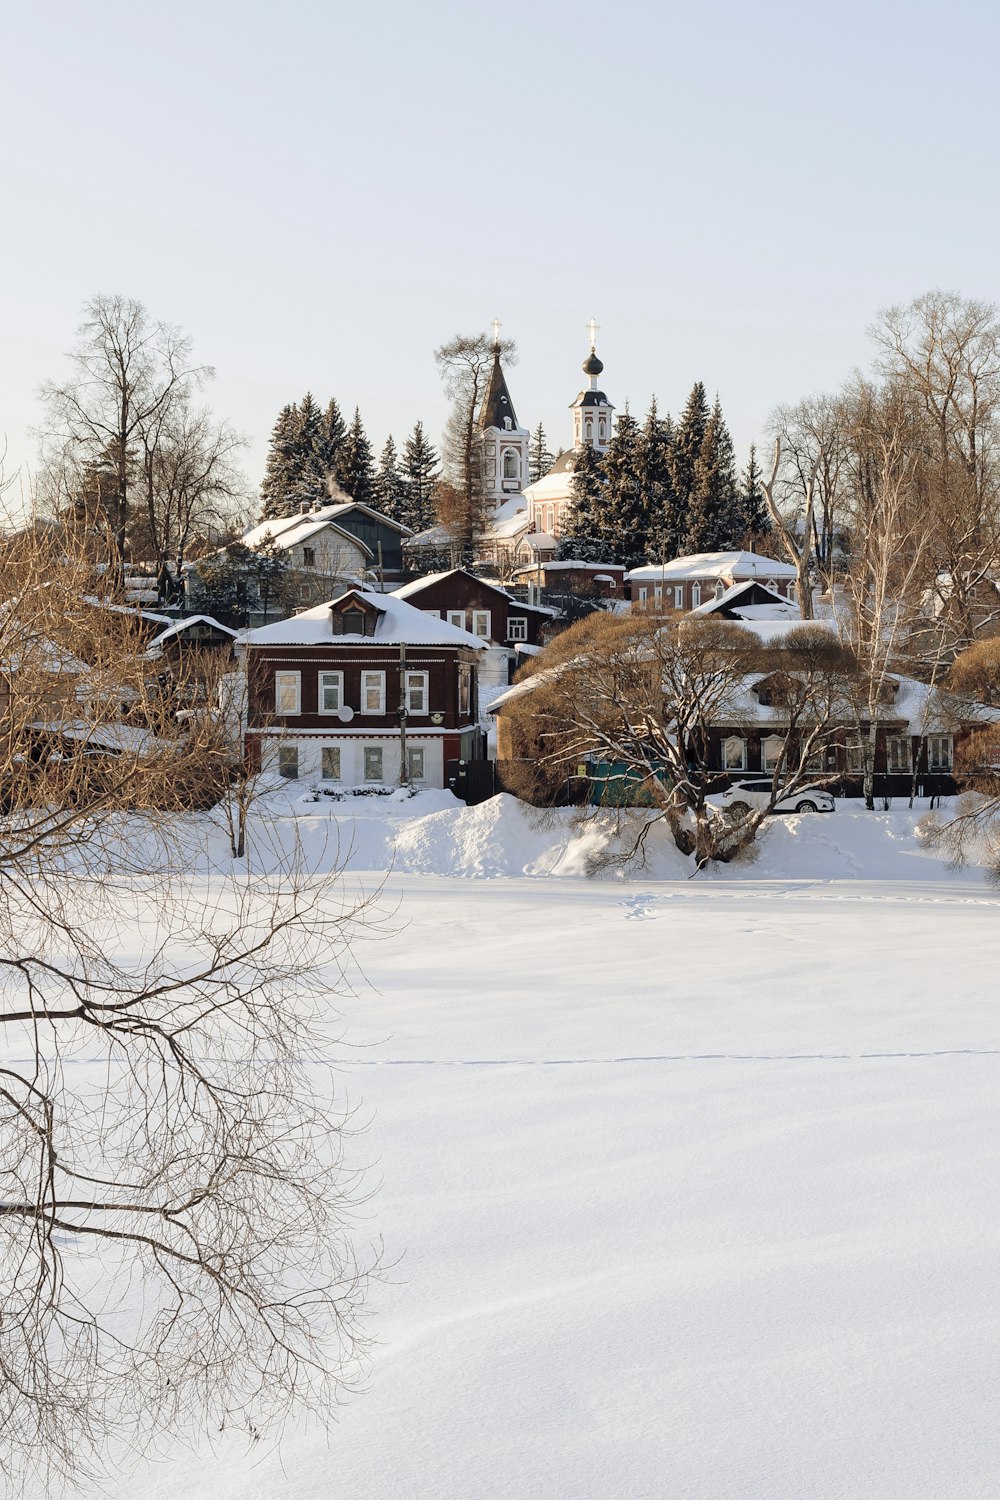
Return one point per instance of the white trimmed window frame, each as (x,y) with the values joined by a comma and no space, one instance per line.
(330,761)
(517,628)
(369,763)
(940,752)
(678,596)
(734,753)
(417,693)
(482,623)
(771,747)
(373,682)
(415,763)
(333,683)
(457,617)
(288,694)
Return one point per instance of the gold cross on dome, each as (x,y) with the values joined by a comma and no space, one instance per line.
(496,330)
(592,328)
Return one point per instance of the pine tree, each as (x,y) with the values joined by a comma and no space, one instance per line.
(585,533)
(329,441)
(357,468)
(663,525)
(391,493)
(689,435)
(281,469)
(715,514)
(540,460)
(756,519)
(626,517)
(421,470)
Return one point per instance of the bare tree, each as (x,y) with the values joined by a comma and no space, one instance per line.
(128,370)
(645,694)
(465,363)
(173,1208)
(944,351)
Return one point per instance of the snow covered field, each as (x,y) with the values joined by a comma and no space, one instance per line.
(691,1185)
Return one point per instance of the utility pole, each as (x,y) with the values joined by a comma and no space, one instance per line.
(404,770)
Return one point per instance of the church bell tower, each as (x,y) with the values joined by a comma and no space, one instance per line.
(592,411)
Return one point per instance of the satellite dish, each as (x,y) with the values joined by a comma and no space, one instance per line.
(345,714)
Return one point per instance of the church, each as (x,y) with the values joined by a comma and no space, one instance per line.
(529,519)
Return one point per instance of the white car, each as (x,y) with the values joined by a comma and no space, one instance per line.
(756,792)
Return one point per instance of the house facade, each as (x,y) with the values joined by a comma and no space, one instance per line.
(493,616)
(686,583)
(363,691)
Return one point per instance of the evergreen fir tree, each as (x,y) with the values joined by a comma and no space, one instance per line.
(756,519)
(281,469)
(390,492)
(540,460)
(329,441)
(715,514)
(626,517)
(585,533)
(356,466)
(662,513)
(421,470)
(689,436)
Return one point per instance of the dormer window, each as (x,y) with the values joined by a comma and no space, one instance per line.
(353,620)
(508,425)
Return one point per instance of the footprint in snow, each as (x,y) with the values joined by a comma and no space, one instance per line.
(639,908)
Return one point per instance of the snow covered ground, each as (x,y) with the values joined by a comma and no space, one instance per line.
(691,1186)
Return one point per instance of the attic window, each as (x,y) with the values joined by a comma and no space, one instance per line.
(352,621)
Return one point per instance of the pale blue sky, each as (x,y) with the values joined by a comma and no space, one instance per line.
(321,193)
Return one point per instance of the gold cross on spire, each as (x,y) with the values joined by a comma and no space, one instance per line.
(496,330)
(592,329)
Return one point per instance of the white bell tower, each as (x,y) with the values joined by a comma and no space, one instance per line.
(592,411)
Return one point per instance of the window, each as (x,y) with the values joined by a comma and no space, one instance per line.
(330,697)
(511,468)
(770,751)
(288,761)
(854,755)
(898,753)
(415,762)
(457,617)
(352,622)
(604,429)
(939,752)
(734,753)
(679,596)
(287,692)
(416,692)
(657,590)
(481,623)
(435,612)
(643,594)
(330,763)
(373,693)
(695,595)
(308,557)
(373,762)
(464,691)
(790,591)
(517,628)
(550,518)
(589,428)
(720,589)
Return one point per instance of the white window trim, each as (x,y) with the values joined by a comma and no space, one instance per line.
(695,595)
(477,616)
(412,750)
(734,739)
(289,751)
(457,617)
(372,780)
(320,689)
(423,678)
(517,628)
(949,760)
(365,676)
(340,763)
(778,742)
(295,678)
(678,596)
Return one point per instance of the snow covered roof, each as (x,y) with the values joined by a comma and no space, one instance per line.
(577,565)
(179,627)
(539,541)
(434,536)
(429,579)
(732,565)
(397,623)
(504,527)
(284,531)
(291,536)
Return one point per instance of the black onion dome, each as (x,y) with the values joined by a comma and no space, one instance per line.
(592,365)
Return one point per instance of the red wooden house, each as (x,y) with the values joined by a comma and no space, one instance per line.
(336,693)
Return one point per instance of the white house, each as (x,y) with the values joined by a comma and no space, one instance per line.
(688,582)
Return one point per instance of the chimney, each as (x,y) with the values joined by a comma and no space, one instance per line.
(304,508)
